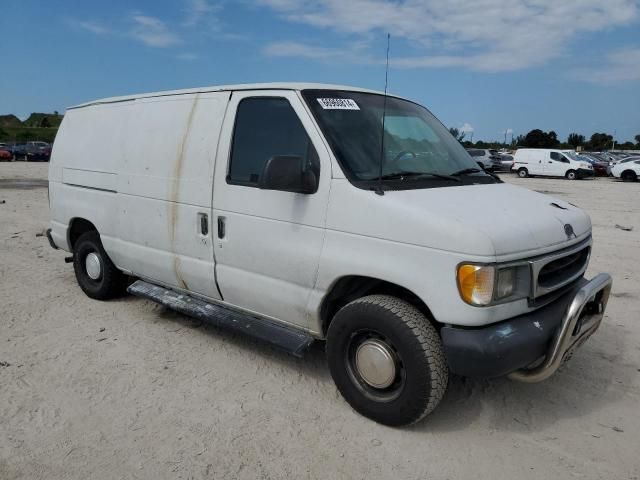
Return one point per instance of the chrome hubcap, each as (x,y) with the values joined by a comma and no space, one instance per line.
(93,266)
(375,363)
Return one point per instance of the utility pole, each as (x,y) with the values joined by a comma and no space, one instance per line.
(614,139)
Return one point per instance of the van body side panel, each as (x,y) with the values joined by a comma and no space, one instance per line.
(142,172)
(83,172)
(165,186)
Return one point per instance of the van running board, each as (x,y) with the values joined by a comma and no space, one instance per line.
(285,338)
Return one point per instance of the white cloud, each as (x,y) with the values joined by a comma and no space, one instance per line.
(620,66)
(152,31)
(466,128)
(198,10)
(487,35)
(92,26)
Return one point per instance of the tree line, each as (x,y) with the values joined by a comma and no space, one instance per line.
(540,139)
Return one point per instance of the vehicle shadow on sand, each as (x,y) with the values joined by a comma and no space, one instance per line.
(591,380)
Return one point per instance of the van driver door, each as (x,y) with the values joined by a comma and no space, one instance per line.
(554,165)
(267,243)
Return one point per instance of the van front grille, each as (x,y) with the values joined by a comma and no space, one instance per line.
(561,270)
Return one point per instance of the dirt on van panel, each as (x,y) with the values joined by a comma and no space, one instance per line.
(126,389)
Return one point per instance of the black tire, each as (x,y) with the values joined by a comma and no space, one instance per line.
(420,373)
(523,172)
(571,175)
(111,282)
(628,176)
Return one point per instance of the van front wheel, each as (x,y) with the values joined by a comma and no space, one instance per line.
(96,274)
(523,172)
(386,359)
(571,175)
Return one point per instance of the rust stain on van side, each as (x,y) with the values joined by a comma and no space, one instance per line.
(177,267)
(174,195)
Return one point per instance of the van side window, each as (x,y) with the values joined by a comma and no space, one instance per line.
(266,127)
(556,156)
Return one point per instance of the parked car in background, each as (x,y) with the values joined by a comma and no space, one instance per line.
(600,167)
(506,161)
(550,163)
(627,171)
(5,154)
(487,159)
(32,151)
(622,160)
(632,158)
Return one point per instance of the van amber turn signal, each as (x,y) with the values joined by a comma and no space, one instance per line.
(475,283)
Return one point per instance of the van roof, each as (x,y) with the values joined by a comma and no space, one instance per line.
(237,87)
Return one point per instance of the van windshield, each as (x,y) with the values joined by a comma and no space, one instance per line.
(419,152)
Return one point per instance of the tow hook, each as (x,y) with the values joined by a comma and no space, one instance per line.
(68,259)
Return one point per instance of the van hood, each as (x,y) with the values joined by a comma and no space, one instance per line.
(485,220)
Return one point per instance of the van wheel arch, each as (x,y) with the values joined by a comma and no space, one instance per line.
(349,288)
(77,227)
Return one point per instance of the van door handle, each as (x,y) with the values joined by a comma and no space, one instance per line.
(204,224)
(221,227)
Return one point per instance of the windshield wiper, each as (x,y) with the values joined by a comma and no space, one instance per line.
(466,171)
(403,175)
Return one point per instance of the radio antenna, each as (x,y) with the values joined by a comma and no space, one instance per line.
(379,190)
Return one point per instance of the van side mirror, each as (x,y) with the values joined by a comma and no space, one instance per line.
(288,173)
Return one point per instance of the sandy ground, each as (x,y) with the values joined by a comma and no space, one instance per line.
(125,389)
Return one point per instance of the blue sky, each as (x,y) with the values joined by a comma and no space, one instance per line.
(486,65)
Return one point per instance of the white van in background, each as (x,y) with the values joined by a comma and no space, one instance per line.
(285,212)
(550,163)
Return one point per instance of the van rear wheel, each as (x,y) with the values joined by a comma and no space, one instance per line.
(523,172)
(571,175)
(96,274)
(387,360)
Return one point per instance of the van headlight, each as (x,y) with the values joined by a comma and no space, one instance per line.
(483,285)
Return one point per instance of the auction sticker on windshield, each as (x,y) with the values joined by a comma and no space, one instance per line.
(338,104)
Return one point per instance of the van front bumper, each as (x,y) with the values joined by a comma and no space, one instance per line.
(530,347)
(584,173)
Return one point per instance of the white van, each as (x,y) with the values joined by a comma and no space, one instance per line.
(283,212)
(550,163)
